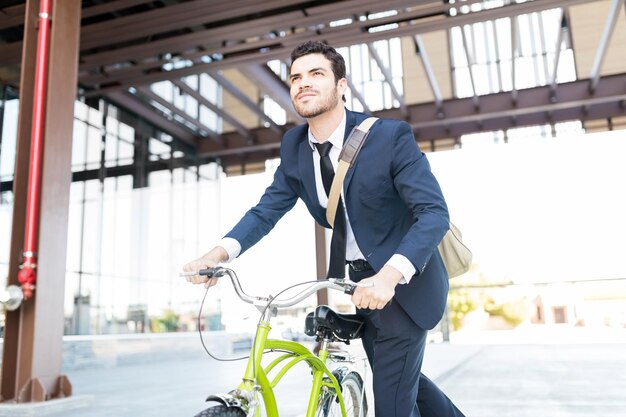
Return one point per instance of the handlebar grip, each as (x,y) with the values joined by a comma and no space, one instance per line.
(349,289)
(209,272)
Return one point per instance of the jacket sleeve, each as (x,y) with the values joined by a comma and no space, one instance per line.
(419,189)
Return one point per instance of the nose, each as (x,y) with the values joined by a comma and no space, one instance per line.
(305,82)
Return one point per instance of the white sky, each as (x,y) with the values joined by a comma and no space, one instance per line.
(546,210)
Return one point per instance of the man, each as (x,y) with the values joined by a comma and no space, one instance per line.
(395,216)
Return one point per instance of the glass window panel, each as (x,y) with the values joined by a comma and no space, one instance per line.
(112,125)
(209,118)
(127,133)
(179,98)
(490,40)
(157,147)
(80,110)
(71,289)
(566,71)
(94,146)
(92,189)
(395,51)
(479,43)
(178,176)
(91,237)
(191,107)
(9,139)
(125,183)
(481,79)
(95,117)
(209,88)
(458,52)
(524,74)
(192,81)
(503,30)
(159,179)
(525,42)
(505,71)
(78,144)
(463,83)
(494,78)
(110,151)
(125,152)
(74,229)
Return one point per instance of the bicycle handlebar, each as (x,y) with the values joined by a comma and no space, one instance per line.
(346,286)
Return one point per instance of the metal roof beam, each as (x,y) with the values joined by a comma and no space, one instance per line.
(514,54)
(341,36)
(270,84)
(239,32)
(534,107)
(202,128)
(609,28)
(388,78)
(244,99)
(420,50)
(184,87)
(136,106)
(564,27)
(357,94)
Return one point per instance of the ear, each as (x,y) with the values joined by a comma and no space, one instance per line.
(342,86)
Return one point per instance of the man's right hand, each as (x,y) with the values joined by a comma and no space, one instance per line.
(209,260)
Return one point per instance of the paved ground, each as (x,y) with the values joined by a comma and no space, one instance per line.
(493,375)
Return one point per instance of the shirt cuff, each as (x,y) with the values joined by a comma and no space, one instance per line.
(402,264)
(231,246)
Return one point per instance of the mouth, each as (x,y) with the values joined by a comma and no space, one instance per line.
(305,95)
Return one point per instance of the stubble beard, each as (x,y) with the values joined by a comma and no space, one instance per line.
(326,105)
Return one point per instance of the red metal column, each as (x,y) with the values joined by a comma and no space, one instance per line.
(27,275)
(33,339)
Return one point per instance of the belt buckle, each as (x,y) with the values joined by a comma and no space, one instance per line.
(359,265)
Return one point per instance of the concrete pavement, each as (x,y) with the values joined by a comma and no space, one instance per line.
(486,375)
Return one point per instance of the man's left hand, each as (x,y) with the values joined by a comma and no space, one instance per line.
(377,296)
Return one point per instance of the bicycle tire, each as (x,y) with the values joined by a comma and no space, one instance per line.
(352,389)
(221,411)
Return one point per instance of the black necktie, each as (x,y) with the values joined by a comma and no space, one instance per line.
(337,266)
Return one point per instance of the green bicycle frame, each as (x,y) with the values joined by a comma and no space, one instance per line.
(256,376)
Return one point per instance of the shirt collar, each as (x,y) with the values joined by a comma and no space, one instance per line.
(336,138)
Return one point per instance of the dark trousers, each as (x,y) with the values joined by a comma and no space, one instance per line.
(394,345)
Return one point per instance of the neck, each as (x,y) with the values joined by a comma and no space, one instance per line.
(324,125)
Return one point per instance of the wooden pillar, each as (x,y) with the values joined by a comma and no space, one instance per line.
(31,366)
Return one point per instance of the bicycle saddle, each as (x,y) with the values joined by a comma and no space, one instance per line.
(342,326)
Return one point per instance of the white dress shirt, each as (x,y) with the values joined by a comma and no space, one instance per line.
(397,261)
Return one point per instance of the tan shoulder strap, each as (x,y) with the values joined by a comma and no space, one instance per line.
(348,155)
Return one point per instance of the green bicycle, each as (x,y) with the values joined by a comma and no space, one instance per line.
(339,392)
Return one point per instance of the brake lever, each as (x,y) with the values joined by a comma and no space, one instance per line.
(349,286)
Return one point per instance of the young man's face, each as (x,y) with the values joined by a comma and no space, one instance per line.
(313,87)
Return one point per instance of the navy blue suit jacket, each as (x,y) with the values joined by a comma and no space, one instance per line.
(394,204)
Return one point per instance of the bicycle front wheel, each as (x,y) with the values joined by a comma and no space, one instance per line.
(353,399)
(221,411)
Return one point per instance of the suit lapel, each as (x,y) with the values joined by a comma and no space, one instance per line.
(307,173)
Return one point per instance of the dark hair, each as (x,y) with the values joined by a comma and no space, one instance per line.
(337,63)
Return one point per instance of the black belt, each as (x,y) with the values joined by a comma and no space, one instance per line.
(359,265)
